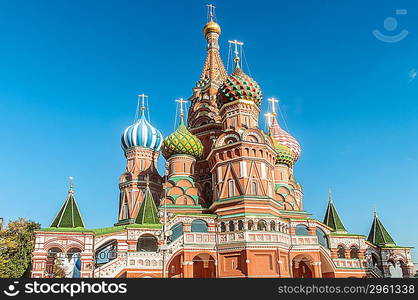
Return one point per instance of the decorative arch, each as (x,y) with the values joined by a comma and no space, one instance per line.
(147,243)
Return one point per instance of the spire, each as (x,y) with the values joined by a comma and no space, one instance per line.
(332,219)
(148,211)
(378,234)
(69,215)
(214,68)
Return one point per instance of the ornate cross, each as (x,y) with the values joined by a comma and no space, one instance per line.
(269,117)
(211,9)
(181,101)
(236,43)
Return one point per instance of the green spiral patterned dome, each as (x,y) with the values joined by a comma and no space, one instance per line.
(239,86)
(285,155)
(182,141)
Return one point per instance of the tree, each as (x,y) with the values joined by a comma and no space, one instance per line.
(16,246)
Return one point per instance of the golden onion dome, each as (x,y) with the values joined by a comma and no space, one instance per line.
(212,27)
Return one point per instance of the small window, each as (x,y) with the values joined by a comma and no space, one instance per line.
(231,226)
(199,226)
(147,243)
(322,238)
(254,187)
(250,225)
(223,227)
(272,226)
(240,225)
(231,188)
(302,230)
(353,252)
(262,225)
(340,252)
(125,211)
(177,231)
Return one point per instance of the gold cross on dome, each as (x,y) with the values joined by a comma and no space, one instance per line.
(273,104)
(211,9)
(236,43)
(181,101)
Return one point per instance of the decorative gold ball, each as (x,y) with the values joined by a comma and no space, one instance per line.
(212,27)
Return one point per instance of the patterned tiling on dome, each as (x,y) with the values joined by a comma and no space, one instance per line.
(239,86)
(182,141)
(285,138)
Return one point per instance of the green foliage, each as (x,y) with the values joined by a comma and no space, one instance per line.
(16,246)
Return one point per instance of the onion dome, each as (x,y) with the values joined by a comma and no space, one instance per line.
(285,155)
(239,86)
(212,27)
(142,134)
(284,138)
(182,141)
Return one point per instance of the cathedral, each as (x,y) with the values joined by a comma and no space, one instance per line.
(227,206)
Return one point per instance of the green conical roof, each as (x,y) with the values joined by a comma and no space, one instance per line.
(332,219)
(379,235)
(69,215)
(148,211)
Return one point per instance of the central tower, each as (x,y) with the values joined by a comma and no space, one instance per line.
(203,118)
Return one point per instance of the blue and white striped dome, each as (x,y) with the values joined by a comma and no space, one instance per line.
(142,134)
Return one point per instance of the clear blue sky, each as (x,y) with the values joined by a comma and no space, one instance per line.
(70,72)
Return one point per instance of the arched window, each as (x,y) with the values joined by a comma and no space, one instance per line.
(147,243)
(322,238)
(199,226)
(302,230)
(231,226)
(125,211)
(254,187)
(231,188)
(262,225)
(223,227)
(340,251)
(272,226)
(177,231)
(250,225)
(240,225)
(353,252)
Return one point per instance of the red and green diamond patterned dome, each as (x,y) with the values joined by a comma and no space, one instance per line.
(239,86)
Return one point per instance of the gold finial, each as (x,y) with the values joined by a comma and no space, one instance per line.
(211,26)
(273,102)
(140,106)
(374,212)
(236,58)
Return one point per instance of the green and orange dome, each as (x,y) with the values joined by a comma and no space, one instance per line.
(182,141)
(239,86)
(285,155)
